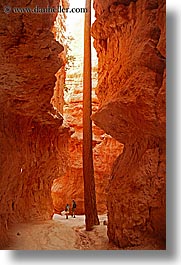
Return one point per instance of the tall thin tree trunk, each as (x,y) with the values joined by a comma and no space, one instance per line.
(88,169)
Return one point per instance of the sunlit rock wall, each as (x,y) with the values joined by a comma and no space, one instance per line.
(33,140)
(59,31)
(130,42)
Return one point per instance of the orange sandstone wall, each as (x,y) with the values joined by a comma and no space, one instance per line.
(129,37)
(33,140)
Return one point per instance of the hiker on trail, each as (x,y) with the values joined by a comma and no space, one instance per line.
(73,208)
(67,207)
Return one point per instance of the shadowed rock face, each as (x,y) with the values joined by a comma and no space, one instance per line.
(130,42)
(33,140)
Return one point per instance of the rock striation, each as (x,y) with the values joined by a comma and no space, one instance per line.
(33,137)
(129,37)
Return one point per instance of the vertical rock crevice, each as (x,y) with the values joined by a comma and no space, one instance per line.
(70,186)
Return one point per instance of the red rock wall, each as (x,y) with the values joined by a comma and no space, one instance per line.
(33,140)
(59,30)
(130,41)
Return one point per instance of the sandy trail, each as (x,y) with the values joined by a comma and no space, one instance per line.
(59,234)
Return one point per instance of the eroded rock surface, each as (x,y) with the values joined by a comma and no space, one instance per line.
(33,140)
(130,42)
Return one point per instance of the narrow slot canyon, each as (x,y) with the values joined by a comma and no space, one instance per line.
(41,126)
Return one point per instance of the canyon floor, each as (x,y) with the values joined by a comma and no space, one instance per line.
(60,234)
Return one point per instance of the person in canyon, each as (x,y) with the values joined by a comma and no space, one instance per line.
(67,207)
(73,208)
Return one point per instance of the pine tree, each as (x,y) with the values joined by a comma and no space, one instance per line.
(88,169)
